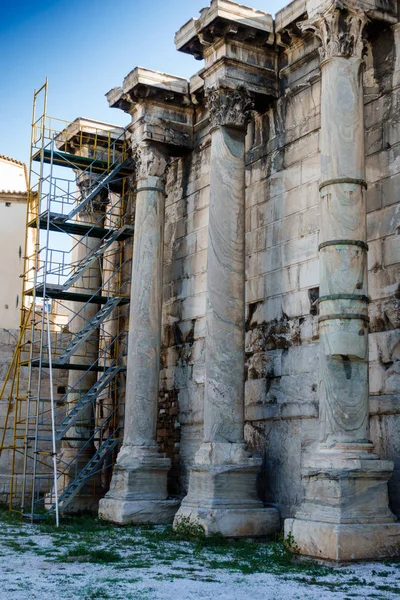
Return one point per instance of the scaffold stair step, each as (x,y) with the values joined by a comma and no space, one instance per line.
(53,223)
(100,183)
(69,493)
(83,335)
(89,397)
(86,262)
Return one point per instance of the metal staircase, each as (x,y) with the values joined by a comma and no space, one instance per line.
(64,386)
(95,189)
(87,330)
(88,398)
(90,469)
(96,254)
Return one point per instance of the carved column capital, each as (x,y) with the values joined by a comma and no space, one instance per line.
(340,28)
(150,161)
(229,108)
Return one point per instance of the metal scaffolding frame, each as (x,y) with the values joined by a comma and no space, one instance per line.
(72,341)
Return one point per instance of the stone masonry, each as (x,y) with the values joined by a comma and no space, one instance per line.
(280,304)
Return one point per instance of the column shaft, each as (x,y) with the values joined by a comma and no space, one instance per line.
(343,256)
(143,362)
(224,387)
(345,513)
(222,496)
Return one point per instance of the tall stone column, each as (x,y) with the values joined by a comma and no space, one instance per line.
(138,492)
(222,496)
(224,384)
(345,515)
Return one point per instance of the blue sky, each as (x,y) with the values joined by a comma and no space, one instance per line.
(85,48)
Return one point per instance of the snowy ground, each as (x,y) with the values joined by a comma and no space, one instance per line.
(86,560)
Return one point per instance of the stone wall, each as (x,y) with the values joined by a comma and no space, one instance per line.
(282,279)
(185,275)
(382,119)
(8,341)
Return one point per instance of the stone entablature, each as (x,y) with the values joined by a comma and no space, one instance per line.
(159,105)
(233,51)
(224,19)
(85,135)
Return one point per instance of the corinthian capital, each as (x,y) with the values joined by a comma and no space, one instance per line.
(149,160)
(339,25)
(230,108)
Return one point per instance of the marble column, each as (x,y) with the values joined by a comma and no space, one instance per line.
(222,496)
(345,515)
(138,492)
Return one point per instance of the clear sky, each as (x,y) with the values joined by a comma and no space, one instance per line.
(85,48)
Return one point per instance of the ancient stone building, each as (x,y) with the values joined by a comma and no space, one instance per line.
(263,362)
(265,280)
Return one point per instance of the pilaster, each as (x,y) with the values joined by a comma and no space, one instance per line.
(345,514)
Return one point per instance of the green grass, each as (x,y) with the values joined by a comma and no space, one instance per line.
(85,538)
(17,546)
(84,553)
(78,537)
(94,594)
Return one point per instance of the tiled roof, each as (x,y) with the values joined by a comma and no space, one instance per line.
(12,160)
(13,176)
(19,192)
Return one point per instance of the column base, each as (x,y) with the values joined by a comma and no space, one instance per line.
(222,497)
(345,514)
(230,522)
(347,542)
(138,492)
(126,512)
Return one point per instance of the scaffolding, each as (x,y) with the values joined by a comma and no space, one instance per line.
(65,383)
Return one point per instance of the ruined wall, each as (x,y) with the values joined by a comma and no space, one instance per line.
(382,122)
(185,266)
(282,278)
(282,216)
